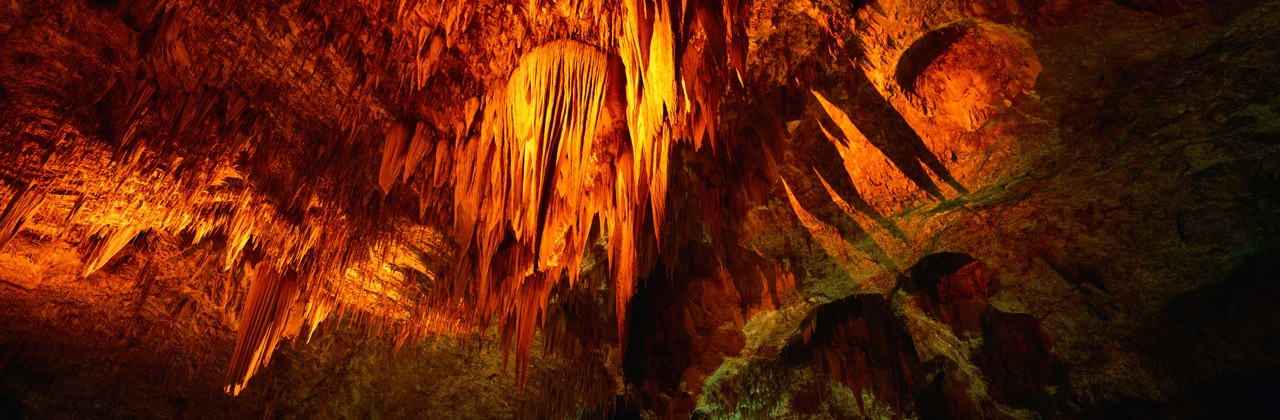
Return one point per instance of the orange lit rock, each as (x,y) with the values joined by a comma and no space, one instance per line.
(701,208)
(962,73)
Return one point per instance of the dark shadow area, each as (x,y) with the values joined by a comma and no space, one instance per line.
(888,131)
(48,371)
(19,374)
(1159,7)
(657,350)
(813,197)
(671,345)
(923,52)
(1218,344)
(719,188)
(1015,355)
(622,409)
(1241,395)
(955,288)
(842,183)
(859,342)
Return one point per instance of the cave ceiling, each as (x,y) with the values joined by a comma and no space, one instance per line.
(728,208)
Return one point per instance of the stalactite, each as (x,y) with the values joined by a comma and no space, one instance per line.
(647,47)
(110,240)
(24,204)
(272,295)
(406,147)
(239,230)
(573,145)
(393,155)
(530,171)
(528,188)
(429,46)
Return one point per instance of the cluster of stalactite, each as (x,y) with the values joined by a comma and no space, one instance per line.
(558,148)
(23,204)
(575,146)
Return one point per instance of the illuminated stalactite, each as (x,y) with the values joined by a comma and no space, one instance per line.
(528,193)
(262,323)
(109,242)
(576,139)
(546,163)
(322,156)
(271,312)
(21,207)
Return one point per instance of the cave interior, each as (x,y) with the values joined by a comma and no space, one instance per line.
(639,209)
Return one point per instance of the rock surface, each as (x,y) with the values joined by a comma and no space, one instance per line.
(775,208)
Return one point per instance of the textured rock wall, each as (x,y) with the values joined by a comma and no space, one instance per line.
(1083,187)
(892,208)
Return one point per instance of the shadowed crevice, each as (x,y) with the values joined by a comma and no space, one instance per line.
(859,342)
(923,52)
(841,182)
(823,207)
(889,132)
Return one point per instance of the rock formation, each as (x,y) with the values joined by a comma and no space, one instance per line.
(639,208)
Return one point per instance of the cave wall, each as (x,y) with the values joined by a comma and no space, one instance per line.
(1032,208)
